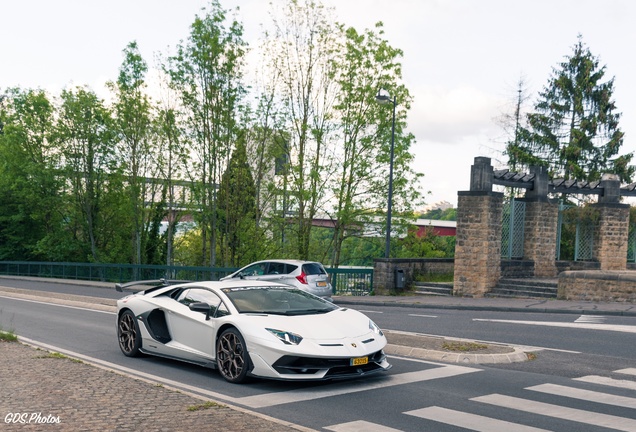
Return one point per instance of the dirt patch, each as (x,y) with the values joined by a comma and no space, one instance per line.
(440,344)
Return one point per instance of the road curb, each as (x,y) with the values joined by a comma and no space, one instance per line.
(517,355)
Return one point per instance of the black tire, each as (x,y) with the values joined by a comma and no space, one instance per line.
(232,358)
(128,334)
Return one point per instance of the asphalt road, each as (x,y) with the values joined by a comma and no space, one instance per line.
(415,395)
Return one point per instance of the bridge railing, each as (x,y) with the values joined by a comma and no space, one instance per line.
(344,281)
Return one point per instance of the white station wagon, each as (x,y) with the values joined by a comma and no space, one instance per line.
(308,276)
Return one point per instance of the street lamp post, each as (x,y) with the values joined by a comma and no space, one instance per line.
(385,98)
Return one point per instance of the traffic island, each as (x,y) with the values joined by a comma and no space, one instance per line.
(450,350)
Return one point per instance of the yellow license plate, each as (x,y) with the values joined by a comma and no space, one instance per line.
(321,284)
(359,361)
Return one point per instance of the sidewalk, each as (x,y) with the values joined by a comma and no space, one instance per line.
(42,391)
(494,304)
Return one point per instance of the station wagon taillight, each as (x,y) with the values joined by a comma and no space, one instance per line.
(302,277)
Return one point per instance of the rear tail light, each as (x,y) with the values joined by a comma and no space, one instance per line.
(302,278)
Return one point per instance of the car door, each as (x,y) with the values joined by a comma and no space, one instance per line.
(265,271)
(288,274)
(192,334)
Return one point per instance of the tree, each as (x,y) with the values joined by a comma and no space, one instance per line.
(170,160)
(86,138)
(29,184)
(207,74)
(513,123)
(574,130)
(300,49)
(133,124)
(364,64)
(238,210)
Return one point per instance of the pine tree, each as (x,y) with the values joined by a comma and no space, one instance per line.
(237,208)
(574,130)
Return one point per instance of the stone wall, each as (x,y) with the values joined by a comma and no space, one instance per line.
(597,285)
(384,271)
(517,269)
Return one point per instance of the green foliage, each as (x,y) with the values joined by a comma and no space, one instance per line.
(449,214)
(28,182)
(206,73)
(133,125)
(237,210)
(82,180)
(428,245)
(8,336)
(300,49)
(574,130)
(85,136)
(364,63)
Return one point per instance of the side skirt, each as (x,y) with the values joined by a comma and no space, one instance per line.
(206,364)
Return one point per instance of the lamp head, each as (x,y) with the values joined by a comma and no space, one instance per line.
(383,97)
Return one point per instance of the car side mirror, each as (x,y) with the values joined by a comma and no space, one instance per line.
(201,307)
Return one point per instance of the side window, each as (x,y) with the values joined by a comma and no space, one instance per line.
(276,268)
(201,295)
(255,270)
(290,268)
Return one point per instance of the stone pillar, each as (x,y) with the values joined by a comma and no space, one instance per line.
(478,238)
(540,237)
(611,237)
(540,226)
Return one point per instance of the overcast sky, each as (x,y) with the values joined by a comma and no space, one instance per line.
(462,58)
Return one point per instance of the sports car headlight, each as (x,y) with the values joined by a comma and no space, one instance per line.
(375,328)
(288,338)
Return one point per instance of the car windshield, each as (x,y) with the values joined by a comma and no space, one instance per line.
(277,301)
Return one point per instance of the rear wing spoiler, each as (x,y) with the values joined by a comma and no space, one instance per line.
(146,285)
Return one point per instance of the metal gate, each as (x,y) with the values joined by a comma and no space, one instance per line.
(631,243)
(575,237)
(513,220)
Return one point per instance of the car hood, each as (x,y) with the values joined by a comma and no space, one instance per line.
(337,324)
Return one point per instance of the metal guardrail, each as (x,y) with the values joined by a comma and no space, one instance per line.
(344,281)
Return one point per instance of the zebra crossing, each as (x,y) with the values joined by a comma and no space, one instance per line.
(476,422)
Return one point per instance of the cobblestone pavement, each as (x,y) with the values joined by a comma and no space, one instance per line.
(42,391)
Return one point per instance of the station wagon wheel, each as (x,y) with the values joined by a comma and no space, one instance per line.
(232,357)
(128,334)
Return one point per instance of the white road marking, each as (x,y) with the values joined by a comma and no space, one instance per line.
(469,421)
(586,395)
(423,316)
(596,319)
(369,311)
(530,348)
(57,304)
(360,425)
(556,411)
(610,382)
(628,371)
(588,326)
(300,395)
